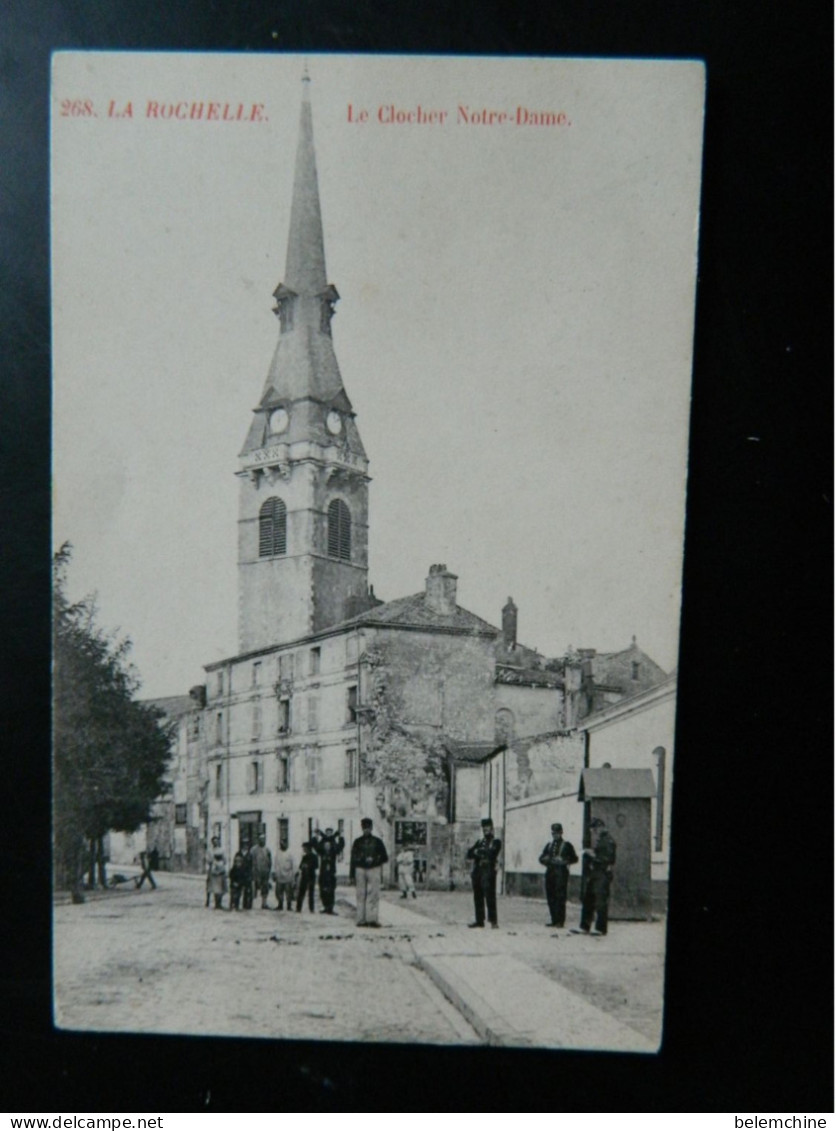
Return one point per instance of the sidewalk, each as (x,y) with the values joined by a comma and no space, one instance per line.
(527,986)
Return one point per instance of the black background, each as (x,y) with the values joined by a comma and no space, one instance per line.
(748,1023)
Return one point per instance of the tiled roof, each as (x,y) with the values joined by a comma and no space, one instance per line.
(173,705)
(473,753)
(527,677)
(414,612)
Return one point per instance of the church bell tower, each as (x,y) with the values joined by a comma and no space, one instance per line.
(303,503)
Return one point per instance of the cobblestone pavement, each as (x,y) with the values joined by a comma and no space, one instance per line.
(159,961)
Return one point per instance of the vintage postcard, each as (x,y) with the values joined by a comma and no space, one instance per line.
(371,396)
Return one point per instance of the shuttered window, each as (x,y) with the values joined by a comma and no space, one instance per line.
(350,769)
(339,530)
(272,528)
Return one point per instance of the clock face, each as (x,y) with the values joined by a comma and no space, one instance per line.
(334,423)
(279,420)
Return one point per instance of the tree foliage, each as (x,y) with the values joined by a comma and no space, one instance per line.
(406,767)
(110,752)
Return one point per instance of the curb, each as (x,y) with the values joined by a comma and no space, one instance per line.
(476,1011)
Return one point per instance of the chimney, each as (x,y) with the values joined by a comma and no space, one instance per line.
(509,625)
(441,590)
(198,694)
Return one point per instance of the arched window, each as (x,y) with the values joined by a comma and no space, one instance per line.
(504,725)
(339,530)
(272,528)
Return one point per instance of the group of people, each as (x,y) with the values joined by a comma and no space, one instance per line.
(252,872)
(557,857)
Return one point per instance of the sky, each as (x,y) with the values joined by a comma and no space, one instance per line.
(514,330)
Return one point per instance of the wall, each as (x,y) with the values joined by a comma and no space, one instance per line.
(536,709)
(439,681)
(528,828)
(547,763)
(469,793)
(542,776)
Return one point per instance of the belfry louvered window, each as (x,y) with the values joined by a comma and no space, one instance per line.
(272,528)
(339,530)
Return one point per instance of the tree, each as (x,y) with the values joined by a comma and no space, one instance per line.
(110,752)
(407,767)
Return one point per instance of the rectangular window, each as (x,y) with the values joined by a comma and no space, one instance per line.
(284,716)
(634,670)
(286,666)
(351,702)
(284,830)
(196,727)
(256,673)
(256,718)
(181,814)
(315,658)
(351,649)
(255,778)
(313,712)
(283,773)
(219,727)
(220,683)
(219,781)
(312,766)
(350,776)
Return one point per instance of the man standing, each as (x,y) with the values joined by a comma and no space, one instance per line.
(557,857)
(284,871)
(247,885)
(484,855)
(262,862)
(406,866)
(598,862)
(307,876)
(328,847)
(368,855)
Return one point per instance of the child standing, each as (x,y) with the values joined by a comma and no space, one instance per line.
(307,876)
(237,881)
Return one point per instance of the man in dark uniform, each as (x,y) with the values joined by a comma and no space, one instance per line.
(368,855)
(307,876)
(328,847)
(247,888)
(598,863)
(484,854)
(557,857)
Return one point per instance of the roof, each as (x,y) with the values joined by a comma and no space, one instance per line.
(173,705)
(630,703)
(527,677)
(605,782)
(414,612)
(472,753)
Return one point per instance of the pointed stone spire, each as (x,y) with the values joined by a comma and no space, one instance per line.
(304,379)
(305,267)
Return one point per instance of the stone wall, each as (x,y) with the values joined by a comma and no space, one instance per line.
(545,764)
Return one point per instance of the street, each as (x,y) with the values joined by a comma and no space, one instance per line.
(161,962)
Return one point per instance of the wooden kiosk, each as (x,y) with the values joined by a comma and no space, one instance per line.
(621,798)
